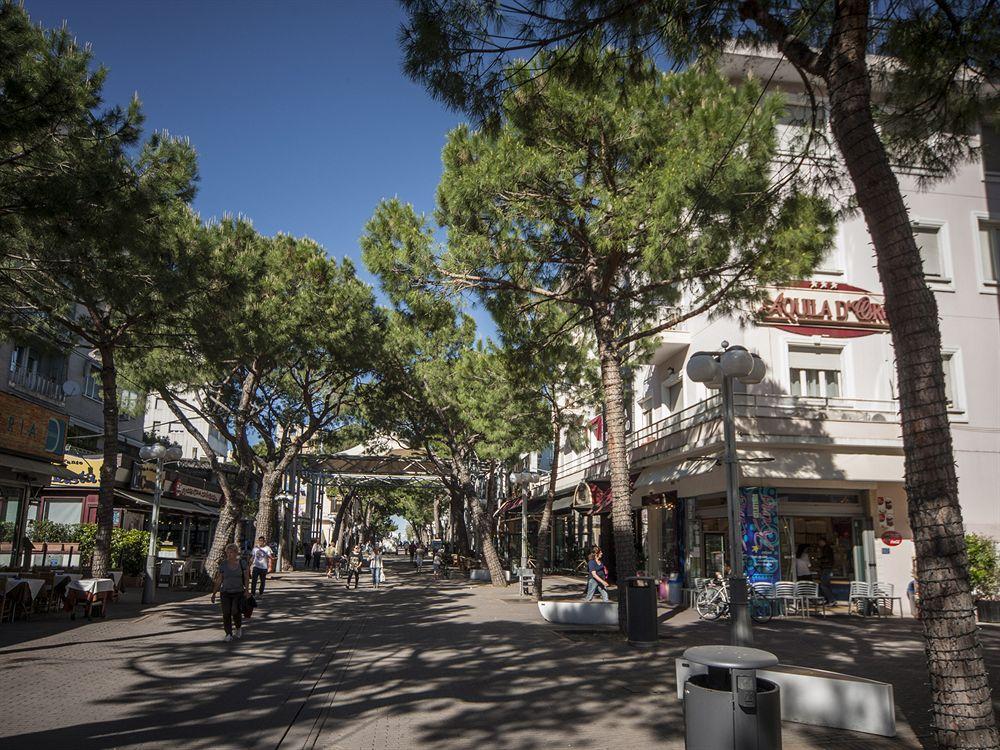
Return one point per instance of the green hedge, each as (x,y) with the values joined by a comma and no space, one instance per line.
(128,548)
(984,566)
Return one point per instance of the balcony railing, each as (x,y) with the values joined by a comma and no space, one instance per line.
(28,381)
(746,405)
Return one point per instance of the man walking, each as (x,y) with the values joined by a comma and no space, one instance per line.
(354,563)
(261,557)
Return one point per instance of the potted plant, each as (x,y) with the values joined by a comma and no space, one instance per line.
(984,574)
(128,554)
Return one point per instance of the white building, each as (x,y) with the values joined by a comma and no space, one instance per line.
(162,423)
(825,419)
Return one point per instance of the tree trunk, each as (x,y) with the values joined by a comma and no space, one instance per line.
(230,515)
(101,563)
(266,516)
(481,527)
(459,531)
(960,692)
(614,432)
(542,540)
(338,524)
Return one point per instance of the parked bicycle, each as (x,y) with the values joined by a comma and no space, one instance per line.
(713,602)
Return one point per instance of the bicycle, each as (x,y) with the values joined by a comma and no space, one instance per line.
(713,603)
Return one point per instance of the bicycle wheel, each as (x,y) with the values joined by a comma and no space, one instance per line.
(760,609)
(708,606)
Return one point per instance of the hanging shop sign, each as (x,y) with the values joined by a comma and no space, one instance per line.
(87,470)
(886,514)
(31,429)
(759,523)
(824,308)
(195,493)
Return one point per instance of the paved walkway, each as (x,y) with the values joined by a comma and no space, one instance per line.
(418,664)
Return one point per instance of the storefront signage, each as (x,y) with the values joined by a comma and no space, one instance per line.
(892,539)
(886,515)
(31,429)
(825,308)
(86,469)
(144,478)
(195,493)
(759,522)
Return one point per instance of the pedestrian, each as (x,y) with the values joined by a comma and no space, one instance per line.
(419,558)
(413,551)
(354,563)
(317,553)
(331,553)
(803,565)
(376,567)
(232,580)
(436,565)
(261,557)
(597,575)
(826,572)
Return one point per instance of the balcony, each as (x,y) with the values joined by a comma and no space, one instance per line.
(34,384)
(764,422)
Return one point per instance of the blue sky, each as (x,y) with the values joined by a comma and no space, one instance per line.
(299,110)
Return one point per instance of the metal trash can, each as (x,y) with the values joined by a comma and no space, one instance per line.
(640,610)
(731,688)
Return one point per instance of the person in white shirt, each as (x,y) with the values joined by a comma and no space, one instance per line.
(261,559)
(376,566)
(803,565)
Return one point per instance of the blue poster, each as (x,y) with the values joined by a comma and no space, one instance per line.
(759,521)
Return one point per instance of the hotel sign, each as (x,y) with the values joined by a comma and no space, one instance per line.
(30,429)
(824,308)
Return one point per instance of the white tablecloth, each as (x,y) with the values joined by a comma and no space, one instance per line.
(34,584)
(115,575)
(92,585)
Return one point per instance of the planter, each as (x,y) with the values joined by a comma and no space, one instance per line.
(132,582)
(988,610)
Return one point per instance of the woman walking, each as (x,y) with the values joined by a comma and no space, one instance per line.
(597,575)
(233,581)
(331,554)
(376,566)
(354,563)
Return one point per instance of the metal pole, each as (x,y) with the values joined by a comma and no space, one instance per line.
(739,610)
(149,585)
(281,537)
(524,530)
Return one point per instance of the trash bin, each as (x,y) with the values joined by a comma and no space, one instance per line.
(731,688)
(640,610)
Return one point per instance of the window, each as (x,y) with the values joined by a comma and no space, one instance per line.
(928,242)
(801,116)
(953,380)
(990,139)
(646,409)
(814,372)
(63,511)
(194,453)
(128,400)
(989,251)
(673,396)
(92,382)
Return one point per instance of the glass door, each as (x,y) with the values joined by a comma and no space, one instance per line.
(786,542)
(715,554)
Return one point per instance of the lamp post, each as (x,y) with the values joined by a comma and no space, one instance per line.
(719,370)
(160,454)
(525,479)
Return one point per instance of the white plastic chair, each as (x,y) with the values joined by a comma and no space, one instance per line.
(807,596)
(882,591)
(178,572)
(859,595)
(784,592)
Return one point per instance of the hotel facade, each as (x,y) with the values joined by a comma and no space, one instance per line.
(819,439)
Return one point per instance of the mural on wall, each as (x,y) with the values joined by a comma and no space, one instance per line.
(759,523)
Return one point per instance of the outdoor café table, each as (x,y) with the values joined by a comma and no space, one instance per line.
(9,583)
(89,592)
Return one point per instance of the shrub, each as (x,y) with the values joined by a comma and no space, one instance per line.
(984,566)
(128,547)
(6,531)
(49,531)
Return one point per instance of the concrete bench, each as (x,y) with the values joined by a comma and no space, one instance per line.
(821,698)
(580,613)
(481,574)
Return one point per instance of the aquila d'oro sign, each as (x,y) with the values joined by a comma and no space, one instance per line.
(824,308)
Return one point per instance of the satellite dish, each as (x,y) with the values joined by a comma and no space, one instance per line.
(72,388)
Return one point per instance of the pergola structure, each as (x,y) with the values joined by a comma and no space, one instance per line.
(371,465)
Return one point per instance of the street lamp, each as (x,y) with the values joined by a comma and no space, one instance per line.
(525,479)
(719,370)
(161,454)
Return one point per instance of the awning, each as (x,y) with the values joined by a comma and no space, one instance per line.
(32,466)
(166,503)
(664,475)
